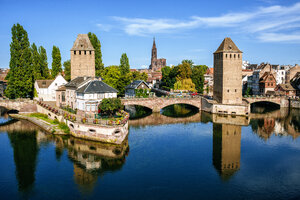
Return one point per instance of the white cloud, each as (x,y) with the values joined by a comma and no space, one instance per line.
(104,27)
(261,22)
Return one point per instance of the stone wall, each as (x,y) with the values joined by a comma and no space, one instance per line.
(21,105)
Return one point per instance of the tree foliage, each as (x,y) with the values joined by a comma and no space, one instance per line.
(184,71)
(110,106)
(20,77)
(67,70)
(44,70)
(124,64)
(185,84)
(56,62)
(198,72)
(99,66)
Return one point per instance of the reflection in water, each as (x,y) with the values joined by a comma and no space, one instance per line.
(226,149)
(26,150)
(91,159)
(179,110)
(264,107)
(137,112)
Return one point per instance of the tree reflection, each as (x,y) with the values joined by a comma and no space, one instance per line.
(26,150)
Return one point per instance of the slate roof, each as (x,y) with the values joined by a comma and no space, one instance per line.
(96,86)
(135,84)
(228,46)
(82,42)
(44,83)
(77,81)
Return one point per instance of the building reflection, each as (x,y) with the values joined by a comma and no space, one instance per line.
(92,159)
(283,122)
(226,149)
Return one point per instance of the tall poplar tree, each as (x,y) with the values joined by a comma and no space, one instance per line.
(20,81)
(43,63)
(56,62)
(36,66)
(124,64)
(67,69)
(99,66)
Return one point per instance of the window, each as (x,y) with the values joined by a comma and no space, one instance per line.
(79,52)
(226,55)
(234,55)
(238,55)
(235,90)
(90,52)
(227,90)
(84,52)
(74,52)
(230,55)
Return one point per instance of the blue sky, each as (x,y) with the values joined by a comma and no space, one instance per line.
(265,30)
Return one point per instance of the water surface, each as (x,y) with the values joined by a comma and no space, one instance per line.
(201,156)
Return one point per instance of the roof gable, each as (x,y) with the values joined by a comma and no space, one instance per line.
(96,86)
(44,83)
(135,84)
(228,46)
(82,42)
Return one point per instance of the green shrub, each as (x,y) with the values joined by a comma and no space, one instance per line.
(64,127)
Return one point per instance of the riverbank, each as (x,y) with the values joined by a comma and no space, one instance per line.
(45,125)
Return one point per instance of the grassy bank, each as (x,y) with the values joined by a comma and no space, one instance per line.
(44,117)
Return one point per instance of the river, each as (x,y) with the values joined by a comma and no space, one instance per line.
(193,156)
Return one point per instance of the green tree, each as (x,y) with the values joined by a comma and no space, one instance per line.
(110,106)
(43,63)
(36,66)
(124,64)
(185,84)
(67,69)
(190,62)
(56,62)
(20,77)
(184,71)
(198,72)
(99,66)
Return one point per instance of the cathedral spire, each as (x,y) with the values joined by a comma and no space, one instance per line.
(154,45)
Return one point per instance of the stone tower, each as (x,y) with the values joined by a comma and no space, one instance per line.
(228,73)
(82,57)
(153,56)
(226,149)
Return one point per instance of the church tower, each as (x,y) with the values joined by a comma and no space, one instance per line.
(82,57)
(228,73)
(153,56)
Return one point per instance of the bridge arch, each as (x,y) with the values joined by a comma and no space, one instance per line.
(264,106)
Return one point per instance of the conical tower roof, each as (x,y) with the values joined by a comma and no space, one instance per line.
(82,43)
(228,46)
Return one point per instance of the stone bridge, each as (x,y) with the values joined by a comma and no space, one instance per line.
(20,105)
(156,104)
(282,101)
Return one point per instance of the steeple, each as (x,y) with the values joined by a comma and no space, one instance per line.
(154,45)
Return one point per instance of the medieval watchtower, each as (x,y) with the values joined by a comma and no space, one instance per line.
(82,57)
(228,73)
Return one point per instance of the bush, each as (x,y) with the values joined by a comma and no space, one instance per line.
(64,127)
(110,106)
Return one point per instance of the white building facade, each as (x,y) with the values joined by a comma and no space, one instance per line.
(46,89)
